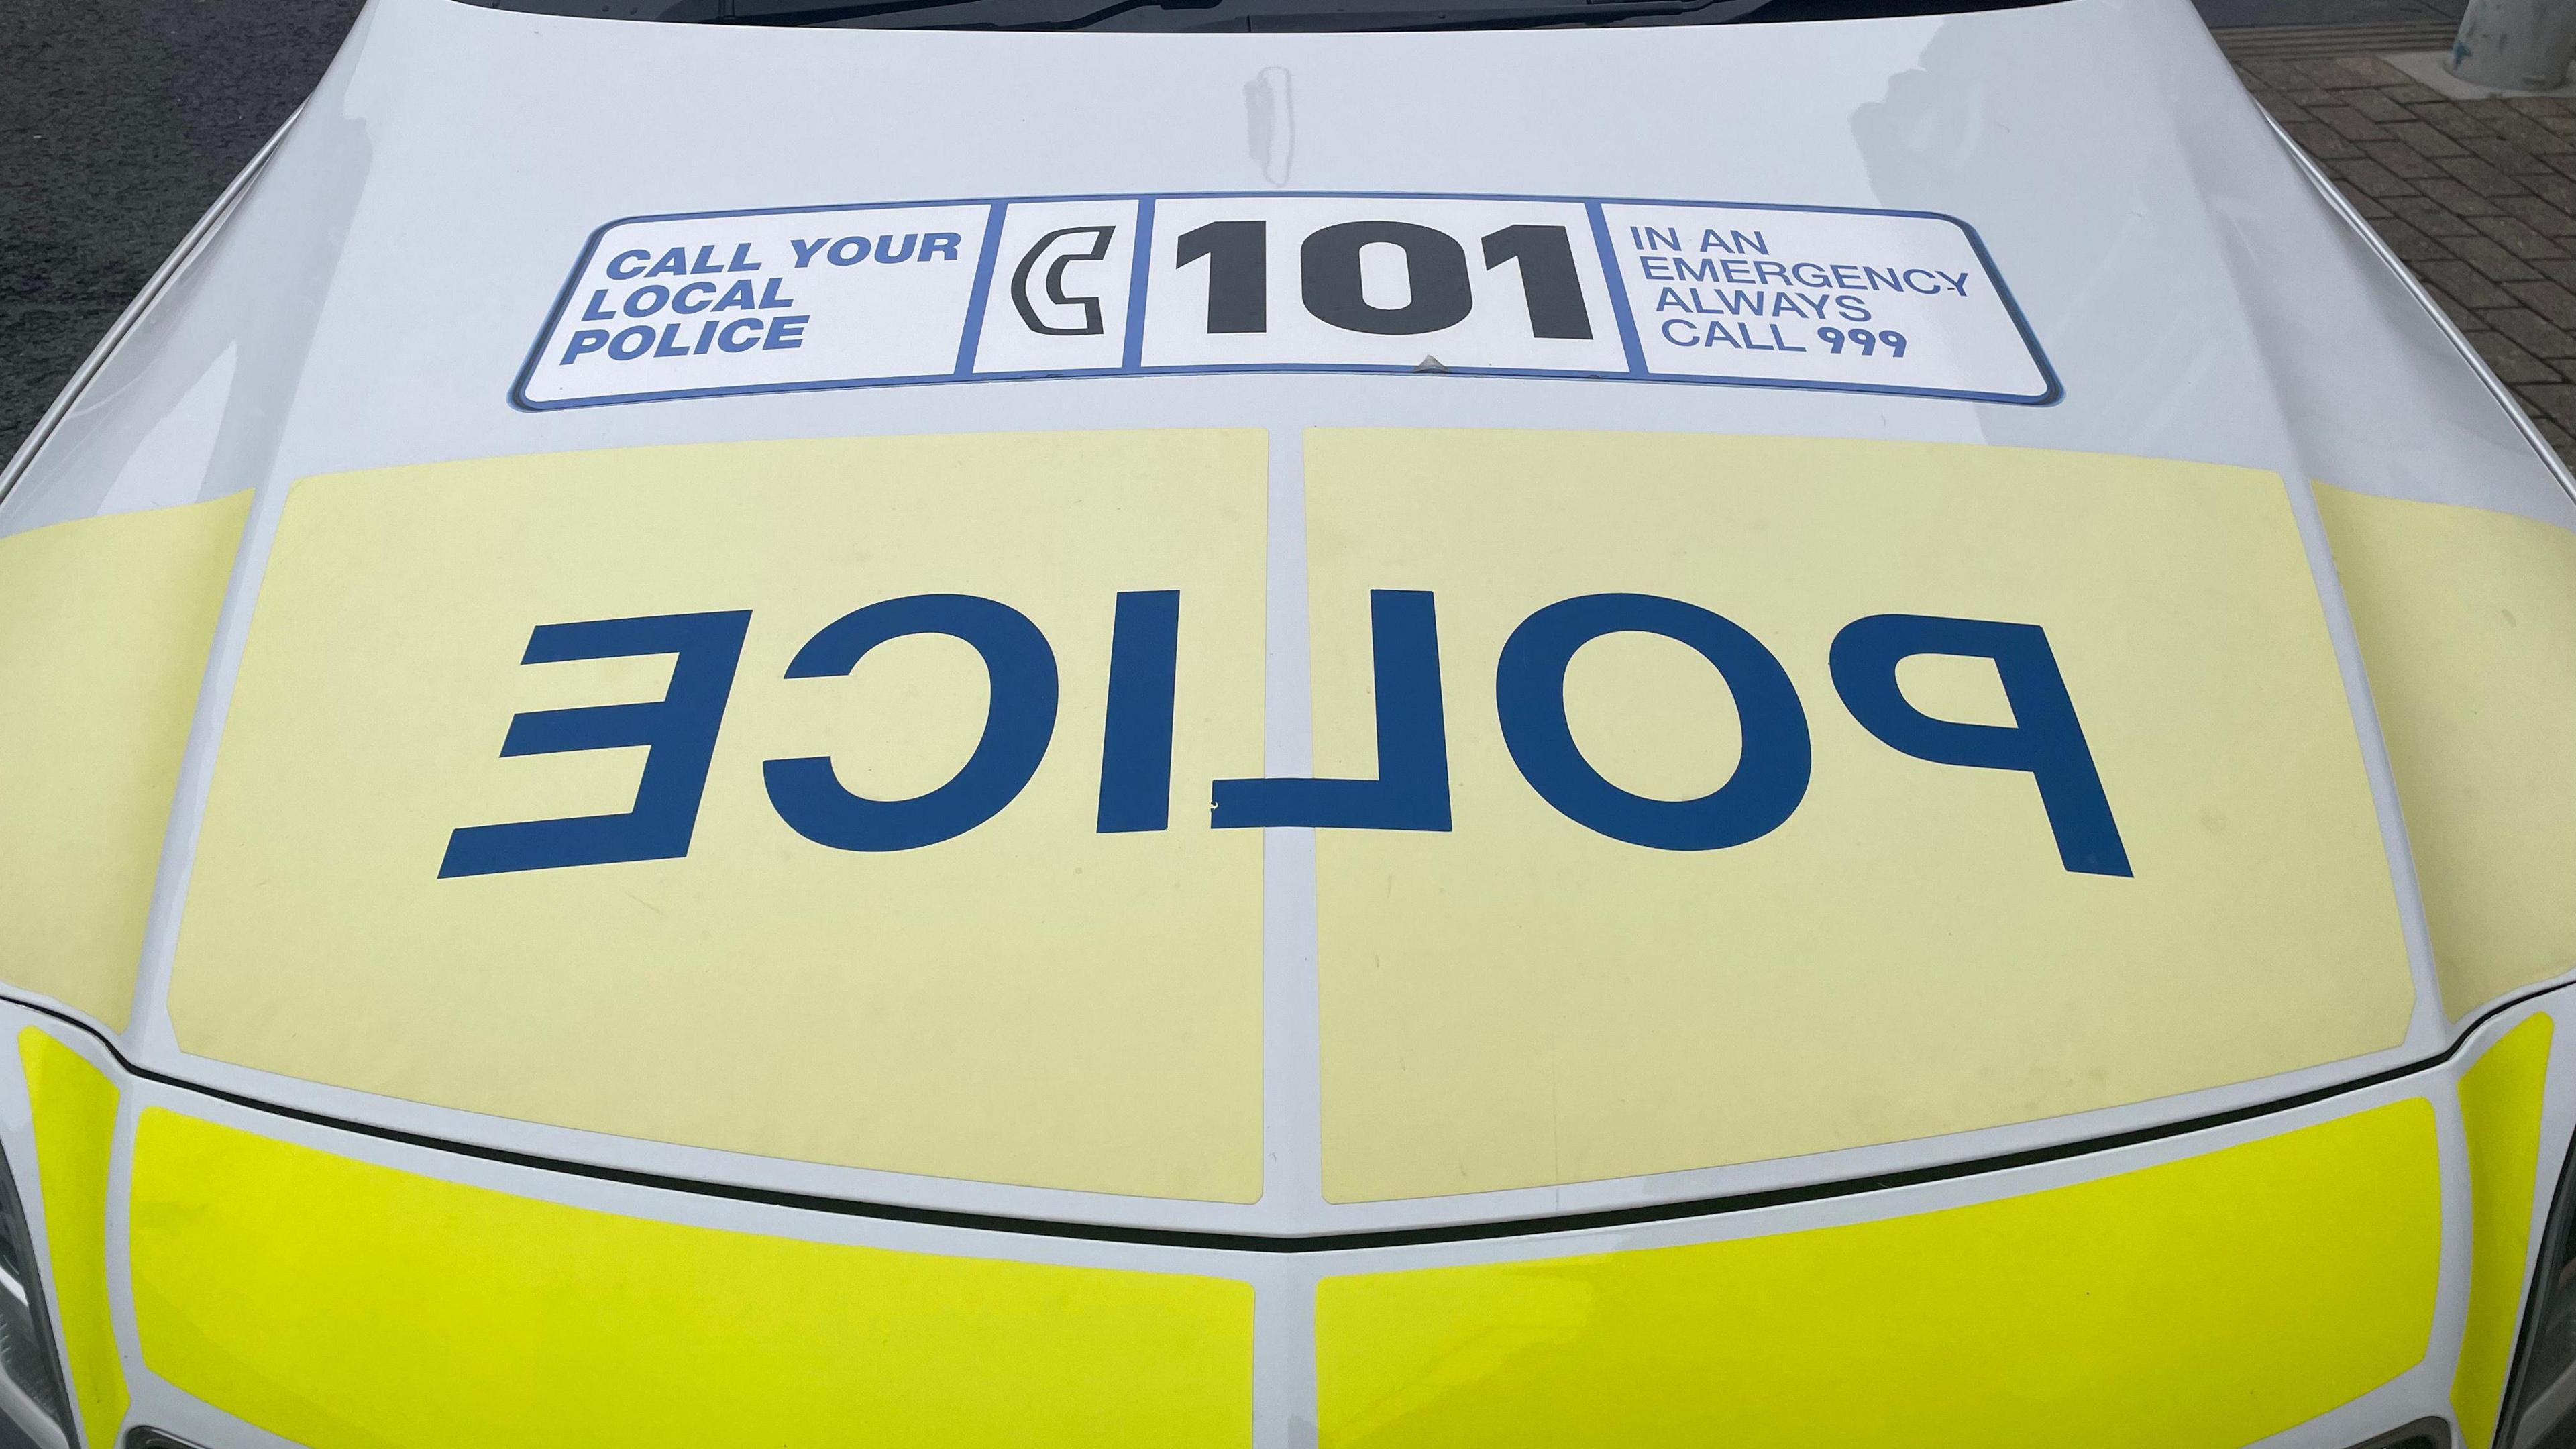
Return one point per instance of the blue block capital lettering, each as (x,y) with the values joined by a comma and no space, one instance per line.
(1018,722)
(1771,772)
(677,732)
(2044,740)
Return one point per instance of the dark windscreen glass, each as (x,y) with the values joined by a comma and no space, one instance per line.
(1169,16)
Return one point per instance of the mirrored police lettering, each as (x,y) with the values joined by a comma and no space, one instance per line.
(1410,791)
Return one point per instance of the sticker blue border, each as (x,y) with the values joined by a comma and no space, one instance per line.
(2052,393)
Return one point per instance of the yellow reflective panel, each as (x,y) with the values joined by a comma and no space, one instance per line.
(2500,1102)
(75,1114)
(2467,621)
(105,624)
(1908,947)
(2201,1304)
(350,1306)
(1030,1001)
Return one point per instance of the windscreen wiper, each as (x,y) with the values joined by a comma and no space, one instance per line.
(1504,17)
(1255,15)
(974,14)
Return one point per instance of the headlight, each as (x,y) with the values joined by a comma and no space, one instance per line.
(2541,1409)
(31,1390)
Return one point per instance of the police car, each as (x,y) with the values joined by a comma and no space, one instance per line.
(1286,723)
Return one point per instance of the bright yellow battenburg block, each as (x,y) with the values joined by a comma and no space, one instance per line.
(105,624)
(2500,1103)
(2201,1304)
(2467,622)
(75,1115)
(1031,1001)
(1522,1001)
(350,1306)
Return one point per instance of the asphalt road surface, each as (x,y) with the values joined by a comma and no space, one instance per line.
(120,121)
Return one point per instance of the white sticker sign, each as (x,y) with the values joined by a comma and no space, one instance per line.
(1639,291)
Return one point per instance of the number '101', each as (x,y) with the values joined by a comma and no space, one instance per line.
(1440,295)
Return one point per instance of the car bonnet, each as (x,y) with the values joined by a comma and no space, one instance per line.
(1285,633)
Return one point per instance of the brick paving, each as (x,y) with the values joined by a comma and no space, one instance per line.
(2479,197)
